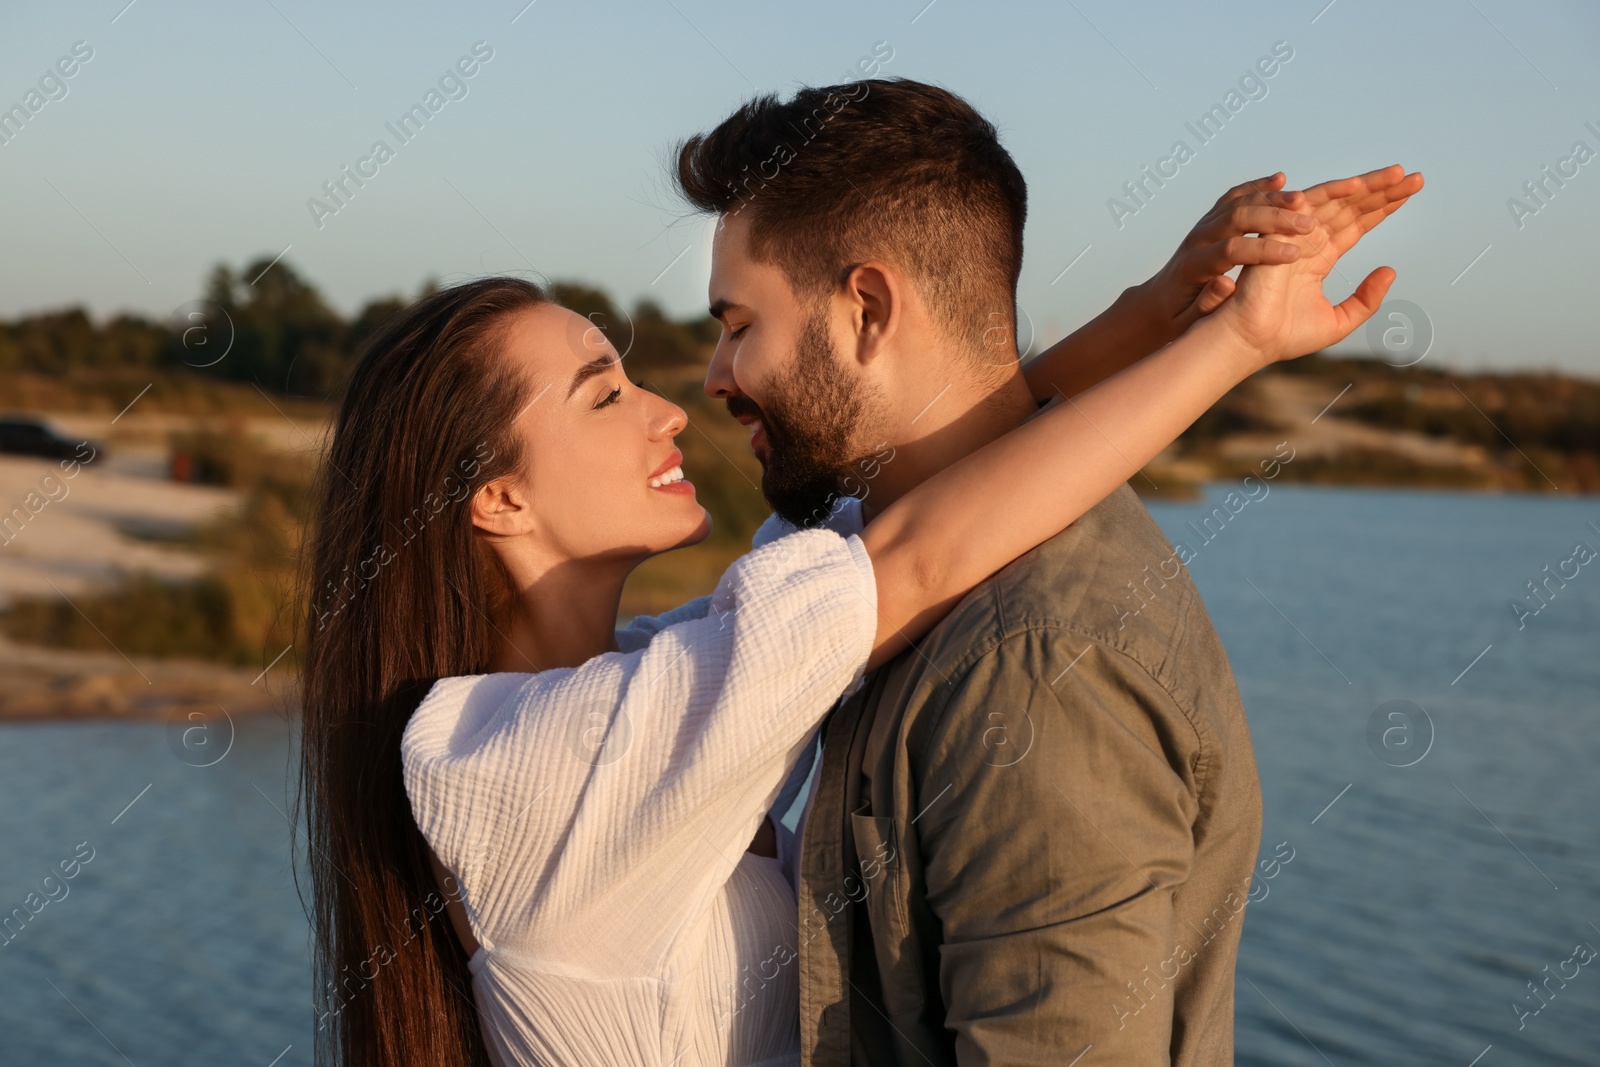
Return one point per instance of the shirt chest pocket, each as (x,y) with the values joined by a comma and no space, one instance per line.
(880,885)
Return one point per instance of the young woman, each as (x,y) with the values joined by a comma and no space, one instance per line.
(548,864)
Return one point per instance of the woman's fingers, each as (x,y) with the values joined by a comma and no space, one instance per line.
(1371,181)
(1345,220)
(1366,220)
(1240,229)
(1383,177)
(1361,201)
(1385,183)
(1360,305)
(1350,224)
(1323,221)
(1401,190)
(1348,218)
(1385,211)
(1337,189)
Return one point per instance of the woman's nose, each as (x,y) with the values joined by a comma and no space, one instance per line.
(671,420)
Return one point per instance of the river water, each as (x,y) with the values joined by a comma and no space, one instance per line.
(1444,851)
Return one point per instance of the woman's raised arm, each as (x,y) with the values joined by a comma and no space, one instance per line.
(1195,282)
(931,546)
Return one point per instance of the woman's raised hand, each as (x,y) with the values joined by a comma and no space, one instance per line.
(1279,309)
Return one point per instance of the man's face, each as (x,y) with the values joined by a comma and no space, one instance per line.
(779,368)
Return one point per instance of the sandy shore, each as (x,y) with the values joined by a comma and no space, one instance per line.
(42,683)
(81,530)
(111,516)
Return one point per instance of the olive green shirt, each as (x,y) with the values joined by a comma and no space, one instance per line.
(1033,834)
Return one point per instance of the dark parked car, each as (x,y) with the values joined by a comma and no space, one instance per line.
(29,435)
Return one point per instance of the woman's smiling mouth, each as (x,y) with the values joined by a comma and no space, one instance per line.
(669,476)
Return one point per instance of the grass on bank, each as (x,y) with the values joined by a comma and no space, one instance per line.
(241,612)
(246,608)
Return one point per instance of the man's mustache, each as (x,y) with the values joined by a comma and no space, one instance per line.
(743,405)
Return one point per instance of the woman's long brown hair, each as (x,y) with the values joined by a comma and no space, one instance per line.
(401,594)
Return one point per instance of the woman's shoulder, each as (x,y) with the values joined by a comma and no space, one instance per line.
(478,742)
(791,605)
(455,712)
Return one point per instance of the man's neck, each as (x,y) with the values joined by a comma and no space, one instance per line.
(955,418)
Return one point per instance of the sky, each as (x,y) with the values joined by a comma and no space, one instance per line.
(197,133)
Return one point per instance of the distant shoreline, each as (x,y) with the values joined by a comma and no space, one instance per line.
(44,684)
(143,556)
(1195,491)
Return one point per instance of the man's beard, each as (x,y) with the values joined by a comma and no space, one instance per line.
(814,419)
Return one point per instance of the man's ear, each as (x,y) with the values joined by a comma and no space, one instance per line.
(874,296)
(501,508)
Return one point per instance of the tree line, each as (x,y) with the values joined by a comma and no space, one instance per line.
(279,333)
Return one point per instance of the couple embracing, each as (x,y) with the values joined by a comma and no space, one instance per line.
(1021,823)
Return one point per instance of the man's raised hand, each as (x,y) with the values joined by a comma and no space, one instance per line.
(1278,308)
(1253,223)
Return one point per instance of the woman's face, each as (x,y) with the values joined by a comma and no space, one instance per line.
(600,474)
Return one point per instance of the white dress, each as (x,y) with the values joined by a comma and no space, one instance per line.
(597,817)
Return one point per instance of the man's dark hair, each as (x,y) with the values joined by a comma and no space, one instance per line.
(880,168)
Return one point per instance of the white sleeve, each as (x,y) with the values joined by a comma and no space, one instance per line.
(591,812)
(844,519)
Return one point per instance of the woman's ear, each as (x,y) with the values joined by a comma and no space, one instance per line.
(500,507)
(873,293)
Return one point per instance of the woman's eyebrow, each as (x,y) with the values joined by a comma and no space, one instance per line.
(593,368)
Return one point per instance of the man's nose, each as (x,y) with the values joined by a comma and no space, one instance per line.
(719,375)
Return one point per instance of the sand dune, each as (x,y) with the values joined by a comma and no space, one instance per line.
(87,527)
(76,532)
